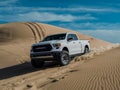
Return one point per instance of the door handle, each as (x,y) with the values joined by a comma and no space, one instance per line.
(74,42)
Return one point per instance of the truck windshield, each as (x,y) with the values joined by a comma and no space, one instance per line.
(55,37)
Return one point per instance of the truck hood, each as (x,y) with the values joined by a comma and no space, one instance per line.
(49,42)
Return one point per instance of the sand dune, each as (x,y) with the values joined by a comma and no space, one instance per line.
(16,40)
(17,73)
(99,73)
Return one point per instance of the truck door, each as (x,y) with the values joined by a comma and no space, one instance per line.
(72,44)
(78,44)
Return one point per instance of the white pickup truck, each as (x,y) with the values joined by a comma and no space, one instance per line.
(59,47)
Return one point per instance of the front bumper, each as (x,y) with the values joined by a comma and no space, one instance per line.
(44,55)
(38,54)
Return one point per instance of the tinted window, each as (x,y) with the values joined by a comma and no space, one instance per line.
(69,36)
(72,36)
(55,37)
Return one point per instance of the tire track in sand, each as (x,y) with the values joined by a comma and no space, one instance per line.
(34,33)
(41,28)
(37,30)
(38,78)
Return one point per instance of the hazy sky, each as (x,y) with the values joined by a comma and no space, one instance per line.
(99,18)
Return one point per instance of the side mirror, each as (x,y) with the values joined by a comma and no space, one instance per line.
(70,39)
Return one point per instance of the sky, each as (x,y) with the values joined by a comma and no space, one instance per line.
(98,18)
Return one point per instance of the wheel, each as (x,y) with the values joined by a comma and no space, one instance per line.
(36,63)
(63,58)
(86,50)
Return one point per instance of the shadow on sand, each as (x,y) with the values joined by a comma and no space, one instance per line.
(21,69)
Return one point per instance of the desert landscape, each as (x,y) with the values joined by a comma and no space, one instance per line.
(97,70)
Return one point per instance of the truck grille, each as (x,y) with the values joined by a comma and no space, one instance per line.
(41,48)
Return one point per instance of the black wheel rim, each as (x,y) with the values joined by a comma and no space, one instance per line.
(65,59)
(86,50)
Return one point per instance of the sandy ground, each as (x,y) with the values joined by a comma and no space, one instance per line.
(96,71)
(16,72)
(99,73)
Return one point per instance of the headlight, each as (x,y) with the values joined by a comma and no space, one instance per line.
(57,45)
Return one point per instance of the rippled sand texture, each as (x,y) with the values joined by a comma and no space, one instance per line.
(100,73)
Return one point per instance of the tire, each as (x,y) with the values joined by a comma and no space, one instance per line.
(62,58)
(86,50)
(36,63)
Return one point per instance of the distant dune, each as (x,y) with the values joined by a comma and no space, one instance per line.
(16,40)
